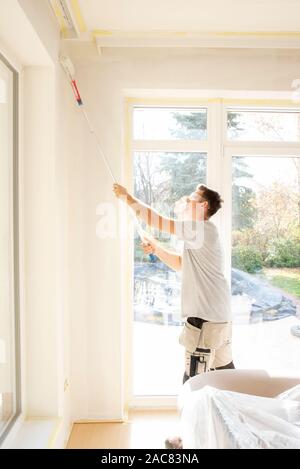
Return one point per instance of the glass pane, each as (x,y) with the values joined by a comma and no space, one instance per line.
(160,179)
(263,126)
(169,123)
(7,343)
(266,262)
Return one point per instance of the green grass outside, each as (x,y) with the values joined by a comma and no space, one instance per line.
(287,279)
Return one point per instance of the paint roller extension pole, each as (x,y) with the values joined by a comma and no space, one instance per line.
(70,72)
(92,131)
(152,257)
(142,235)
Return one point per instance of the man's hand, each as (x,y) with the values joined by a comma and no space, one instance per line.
(148,215)
(120,191)
(148,246)
(152,246)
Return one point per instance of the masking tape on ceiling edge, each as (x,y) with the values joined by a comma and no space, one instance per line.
(102,32)
(201,102)
(160,33)
(259,33)
(60,18)
(78,16)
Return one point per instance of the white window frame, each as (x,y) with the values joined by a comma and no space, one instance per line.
(15,280)
(219,152)
(199,146)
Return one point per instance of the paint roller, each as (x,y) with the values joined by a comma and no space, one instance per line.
(69,70)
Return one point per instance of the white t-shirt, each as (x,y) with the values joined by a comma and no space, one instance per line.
(205,292)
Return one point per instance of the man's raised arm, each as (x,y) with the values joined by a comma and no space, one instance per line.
(148,215)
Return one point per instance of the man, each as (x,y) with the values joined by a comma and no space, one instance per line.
(205,294)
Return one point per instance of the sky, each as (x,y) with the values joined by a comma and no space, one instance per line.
(267,170)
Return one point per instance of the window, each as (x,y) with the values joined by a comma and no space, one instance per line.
(252,156)
(160,179)
(263,126)
(266,259)
(169,124)
(9,320)
(265,236)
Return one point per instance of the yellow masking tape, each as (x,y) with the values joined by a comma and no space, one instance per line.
(78,15)
(159,33)
(102,32)
(258,33)
(59,15)
(204,101)
(60,18)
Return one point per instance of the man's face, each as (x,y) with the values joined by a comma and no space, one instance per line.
(190,207)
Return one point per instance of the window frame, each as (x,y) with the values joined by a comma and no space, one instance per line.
(253,148)
(132,146)
(219,152)
(15,245)
(262,109)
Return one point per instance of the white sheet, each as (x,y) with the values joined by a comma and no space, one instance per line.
(213,418)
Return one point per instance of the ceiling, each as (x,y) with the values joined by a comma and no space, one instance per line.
(224,23)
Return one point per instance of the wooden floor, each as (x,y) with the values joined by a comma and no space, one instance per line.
(144,429)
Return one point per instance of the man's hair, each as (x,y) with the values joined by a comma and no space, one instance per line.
(212,197)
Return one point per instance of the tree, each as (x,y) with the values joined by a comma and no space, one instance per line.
(194,125)
(272,129)
(190,126)
(149,178)
(243,197)
(276,207)
(185,171)
(163,178)
(234,122)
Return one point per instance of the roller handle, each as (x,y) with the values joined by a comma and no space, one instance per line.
(153,258)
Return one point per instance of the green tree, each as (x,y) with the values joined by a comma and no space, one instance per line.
(162,178)
(243,197)
(185,171)
(194,125)
(234,121)
(190,126)
(276,207)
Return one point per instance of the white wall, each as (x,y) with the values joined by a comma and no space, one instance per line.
(19,38)
(45,26)
(48,138)
(40,219)
(96,279)
(47,132)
